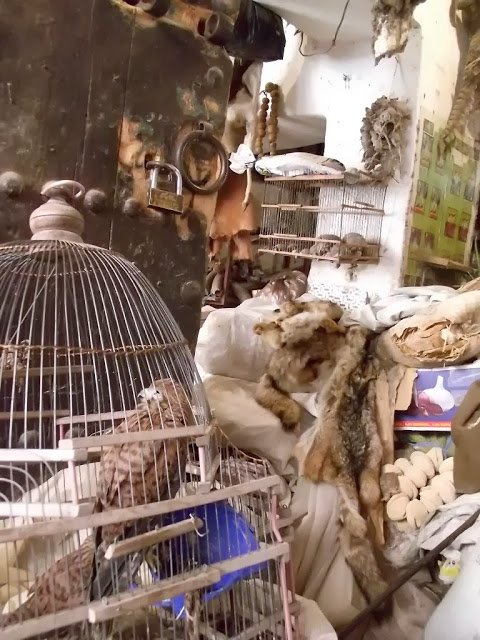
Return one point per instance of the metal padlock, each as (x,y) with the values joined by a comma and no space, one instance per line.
(160,199)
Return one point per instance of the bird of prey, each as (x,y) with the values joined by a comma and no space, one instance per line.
(64,585)
(140,473)
(143,472)
(130,474)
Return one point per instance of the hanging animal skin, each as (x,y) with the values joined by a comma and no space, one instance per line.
(392,21)
(468,94)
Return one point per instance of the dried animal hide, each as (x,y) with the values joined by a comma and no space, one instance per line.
(343,448)
(382,135)
(392,21)
(468,94)
(304,335)
(231,220)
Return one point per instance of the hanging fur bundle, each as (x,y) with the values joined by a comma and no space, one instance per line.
(303,335)
(343,448)
(382,133)
(468,86)
(392,21)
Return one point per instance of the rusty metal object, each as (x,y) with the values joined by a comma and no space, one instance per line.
(191,292)
(218,29)
(132,207)
(157,8)
(11,183)
(202,134)
(214,77)
(95,201)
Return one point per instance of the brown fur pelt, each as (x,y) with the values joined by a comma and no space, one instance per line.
(343,448)
(467,92)
(303,336)
(391,21)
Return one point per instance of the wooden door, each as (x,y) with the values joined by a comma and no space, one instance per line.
(88,90)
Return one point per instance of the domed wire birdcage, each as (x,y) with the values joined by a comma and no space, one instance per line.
(123,511)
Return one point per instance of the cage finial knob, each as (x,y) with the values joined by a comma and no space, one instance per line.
(57,219)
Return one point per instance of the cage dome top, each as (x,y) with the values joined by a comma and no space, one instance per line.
(86,315)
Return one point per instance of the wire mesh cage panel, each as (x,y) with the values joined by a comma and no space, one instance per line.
(322,218)
(123,511)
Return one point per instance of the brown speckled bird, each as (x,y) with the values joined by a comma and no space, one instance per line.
(142,472)
(64,585)
(139,473)
(130,474)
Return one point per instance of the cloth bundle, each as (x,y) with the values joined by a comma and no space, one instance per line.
(445,333)
(383,313)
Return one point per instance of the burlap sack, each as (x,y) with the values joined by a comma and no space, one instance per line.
(447,333)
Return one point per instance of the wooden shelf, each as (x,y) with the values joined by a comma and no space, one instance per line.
(144,596)
(316,176)
(442,263)
(345,209)
(336,259)
(69,525)
(32,415)
(291,236)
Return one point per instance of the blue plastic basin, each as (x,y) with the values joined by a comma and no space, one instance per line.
(225,534)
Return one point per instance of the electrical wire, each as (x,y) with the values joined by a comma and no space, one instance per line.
(334,41)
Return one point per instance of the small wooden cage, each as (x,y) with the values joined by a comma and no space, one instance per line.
(322,218)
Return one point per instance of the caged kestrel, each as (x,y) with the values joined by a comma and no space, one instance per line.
(64,585)
(144,472)
(140,473)
(130,474)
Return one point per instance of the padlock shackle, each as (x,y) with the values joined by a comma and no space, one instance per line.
(154,166)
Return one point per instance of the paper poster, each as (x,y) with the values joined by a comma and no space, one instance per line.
(443,201)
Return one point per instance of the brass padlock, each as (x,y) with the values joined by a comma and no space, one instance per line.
(160,199)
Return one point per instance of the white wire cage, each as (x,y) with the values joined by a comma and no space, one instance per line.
(322,218)
(123,511)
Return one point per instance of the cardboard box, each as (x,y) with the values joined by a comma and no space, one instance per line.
(435,396)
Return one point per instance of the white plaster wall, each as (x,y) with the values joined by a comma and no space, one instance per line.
(352,82)
(439,59)
(340,85)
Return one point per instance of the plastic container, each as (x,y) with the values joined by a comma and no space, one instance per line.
(457,616)
(226,534)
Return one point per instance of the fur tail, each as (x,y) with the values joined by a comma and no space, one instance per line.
(271,397)
(356,545)
(360,556)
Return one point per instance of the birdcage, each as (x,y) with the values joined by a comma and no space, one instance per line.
(322,218)
(124,512)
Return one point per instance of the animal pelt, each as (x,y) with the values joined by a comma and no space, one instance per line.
(343,448)
(382,134)
(467,92)
(391,21)
(303,336)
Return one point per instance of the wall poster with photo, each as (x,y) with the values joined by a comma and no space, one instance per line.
(444,201)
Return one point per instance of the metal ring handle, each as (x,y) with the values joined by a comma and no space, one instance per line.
(203,136)
(73,189)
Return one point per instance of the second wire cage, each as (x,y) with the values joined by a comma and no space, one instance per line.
(322,218)
(123,512)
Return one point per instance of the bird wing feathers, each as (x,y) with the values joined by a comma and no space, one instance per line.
(141,473)
(62,586)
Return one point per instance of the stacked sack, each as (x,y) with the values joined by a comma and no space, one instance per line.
(421,485)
